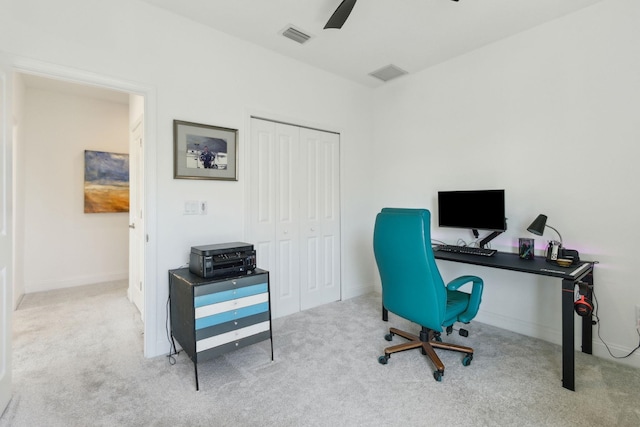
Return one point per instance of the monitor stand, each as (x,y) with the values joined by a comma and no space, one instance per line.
(488,238)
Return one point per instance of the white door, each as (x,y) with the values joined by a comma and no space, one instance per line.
(136,224)
(6,235)
(274,211)
(320,218)
(294,208)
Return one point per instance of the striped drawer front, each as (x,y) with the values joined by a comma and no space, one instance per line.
(228,316)
(232,325)
(231,336)
(214,298)
(231,305)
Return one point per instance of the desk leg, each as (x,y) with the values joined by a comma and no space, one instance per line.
(568,331)
(587,321)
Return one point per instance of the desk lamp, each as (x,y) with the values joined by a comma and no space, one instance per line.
(555,251)
(538,225)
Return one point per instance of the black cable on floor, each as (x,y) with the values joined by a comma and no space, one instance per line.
(172,344)
(595,315)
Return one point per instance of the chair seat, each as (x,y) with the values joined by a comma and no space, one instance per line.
(457,303)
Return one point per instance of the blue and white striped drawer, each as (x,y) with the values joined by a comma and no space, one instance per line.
(217,297)
(218,308)
(231,336)
(222,328)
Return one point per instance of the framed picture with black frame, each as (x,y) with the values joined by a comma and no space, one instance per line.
(204,151)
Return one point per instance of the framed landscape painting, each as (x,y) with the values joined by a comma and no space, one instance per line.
(106,182)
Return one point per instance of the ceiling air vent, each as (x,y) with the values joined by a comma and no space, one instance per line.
(296,35)
(387,73)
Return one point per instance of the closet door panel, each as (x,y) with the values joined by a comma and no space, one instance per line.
(262,193)
(320,259)
(287,226)
(331,218)
(273,198)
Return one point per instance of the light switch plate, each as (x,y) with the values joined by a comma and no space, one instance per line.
(191,207)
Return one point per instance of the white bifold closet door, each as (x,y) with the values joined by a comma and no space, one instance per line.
(295,213)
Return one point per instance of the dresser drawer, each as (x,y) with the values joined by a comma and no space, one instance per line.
(230,284)
(229,310)
(217,297)
(234,345)
(221,328)
(255,305)
(231,336)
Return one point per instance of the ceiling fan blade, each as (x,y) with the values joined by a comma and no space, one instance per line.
(341,14)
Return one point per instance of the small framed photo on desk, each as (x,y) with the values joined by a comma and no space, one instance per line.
(525,248)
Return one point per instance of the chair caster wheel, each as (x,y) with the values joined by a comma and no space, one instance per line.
(466,361)
(449,329)
(463,332)
(438,375)
(388,337)
(383,359)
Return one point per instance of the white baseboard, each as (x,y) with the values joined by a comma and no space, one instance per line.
(600,350)
(554,336)
(356,291)
(162,348)
(70,282)
(522,327)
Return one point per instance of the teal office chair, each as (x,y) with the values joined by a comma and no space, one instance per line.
(412,287)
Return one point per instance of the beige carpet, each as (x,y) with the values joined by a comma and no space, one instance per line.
(78,362)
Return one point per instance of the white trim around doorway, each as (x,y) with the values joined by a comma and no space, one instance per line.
(154,343)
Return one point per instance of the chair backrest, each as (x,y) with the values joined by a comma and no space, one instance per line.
(411,283)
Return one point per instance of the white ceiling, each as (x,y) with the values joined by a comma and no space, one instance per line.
(410,34)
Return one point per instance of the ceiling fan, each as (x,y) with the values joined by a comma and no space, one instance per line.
(341,14)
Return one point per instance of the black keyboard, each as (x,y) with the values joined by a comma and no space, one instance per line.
(466,250)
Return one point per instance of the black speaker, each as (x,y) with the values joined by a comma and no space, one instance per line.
(583,306)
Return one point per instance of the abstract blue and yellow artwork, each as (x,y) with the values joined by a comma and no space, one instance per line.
(106,182)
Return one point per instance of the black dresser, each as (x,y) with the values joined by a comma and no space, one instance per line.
(210,317)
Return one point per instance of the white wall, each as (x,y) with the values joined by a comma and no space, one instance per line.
(63,246)
(201,75)
(550,115)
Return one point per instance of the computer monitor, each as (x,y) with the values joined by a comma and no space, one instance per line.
(474,210)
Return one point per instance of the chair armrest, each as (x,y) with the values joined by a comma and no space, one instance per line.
(474,298)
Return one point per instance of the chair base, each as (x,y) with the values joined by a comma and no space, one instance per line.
(427,341)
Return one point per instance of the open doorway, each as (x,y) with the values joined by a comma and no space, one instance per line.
(11,108)
(57,244)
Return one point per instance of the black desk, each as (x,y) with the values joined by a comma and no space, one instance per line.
(582,272)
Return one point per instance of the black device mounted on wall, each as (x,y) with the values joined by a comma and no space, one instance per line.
(222,259)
